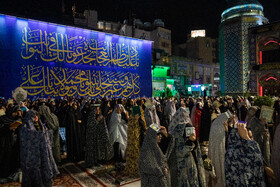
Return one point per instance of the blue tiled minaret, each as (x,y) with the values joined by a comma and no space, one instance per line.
(233,43)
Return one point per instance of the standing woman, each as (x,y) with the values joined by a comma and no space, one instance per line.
(133,146)
(216,110)
(74,135)
(261,135)
(186,164)
(37,162)
(197,119)
(53,124)
(150,113)
(205,122)
(106,110)
(217,146)
(142,121)
(118,132)
(169,110)
(243,111)
(243,160)
(153,166)
(98,147)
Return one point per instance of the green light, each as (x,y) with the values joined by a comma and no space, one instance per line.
(160,71)
(170,81)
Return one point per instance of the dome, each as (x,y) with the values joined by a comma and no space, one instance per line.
(147,24)
(232,3)
(138,22)
(158,23)
(237,8)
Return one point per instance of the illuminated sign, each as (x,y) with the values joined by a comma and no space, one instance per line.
(202,88)
(53,60)
(198,33)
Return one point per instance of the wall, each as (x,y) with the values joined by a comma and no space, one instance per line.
(55,60)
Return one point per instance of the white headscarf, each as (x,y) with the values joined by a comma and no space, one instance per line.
(170,109)
(217,147)
(118,130)
(180,117)
(151,116)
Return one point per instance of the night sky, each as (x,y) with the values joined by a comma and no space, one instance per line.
(180,16)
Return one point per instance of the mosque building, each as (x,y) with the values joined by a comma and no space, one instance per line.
(233,43)
(264,42)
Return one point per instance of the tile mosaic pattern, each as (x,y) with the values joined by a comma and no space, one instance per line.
(235,62)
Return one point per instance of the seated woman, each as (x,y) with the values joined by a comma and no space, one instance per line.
(37,162)
(153,166)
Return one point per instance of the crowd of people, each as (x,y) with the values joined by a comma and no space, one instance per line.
(230,145)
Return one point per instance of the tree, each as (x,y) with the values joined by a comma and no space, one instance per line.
(263,100)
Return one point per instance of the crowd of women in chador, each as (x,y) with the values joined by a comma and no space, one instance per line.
(230,143)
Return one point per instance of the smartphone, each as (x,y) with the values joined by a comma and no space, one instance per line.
(155,127)
(189,131)
(244,122)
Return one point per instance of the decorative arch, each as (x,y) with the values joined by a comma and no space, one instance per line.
(268,40)
(269,79)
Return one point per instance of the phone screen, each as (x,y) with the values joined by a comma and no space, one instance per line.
(242,122)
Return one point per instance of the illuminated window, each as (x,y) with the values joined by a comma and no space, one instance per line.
(100,25)
(108,26)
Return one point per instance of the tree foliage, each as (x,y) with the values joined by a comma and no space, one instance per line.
(263,100)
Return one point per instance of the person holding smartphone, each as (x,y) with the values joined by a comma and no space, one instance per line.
(243,159)
(260,133)
(217,145)
(186,164)
(153,166)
